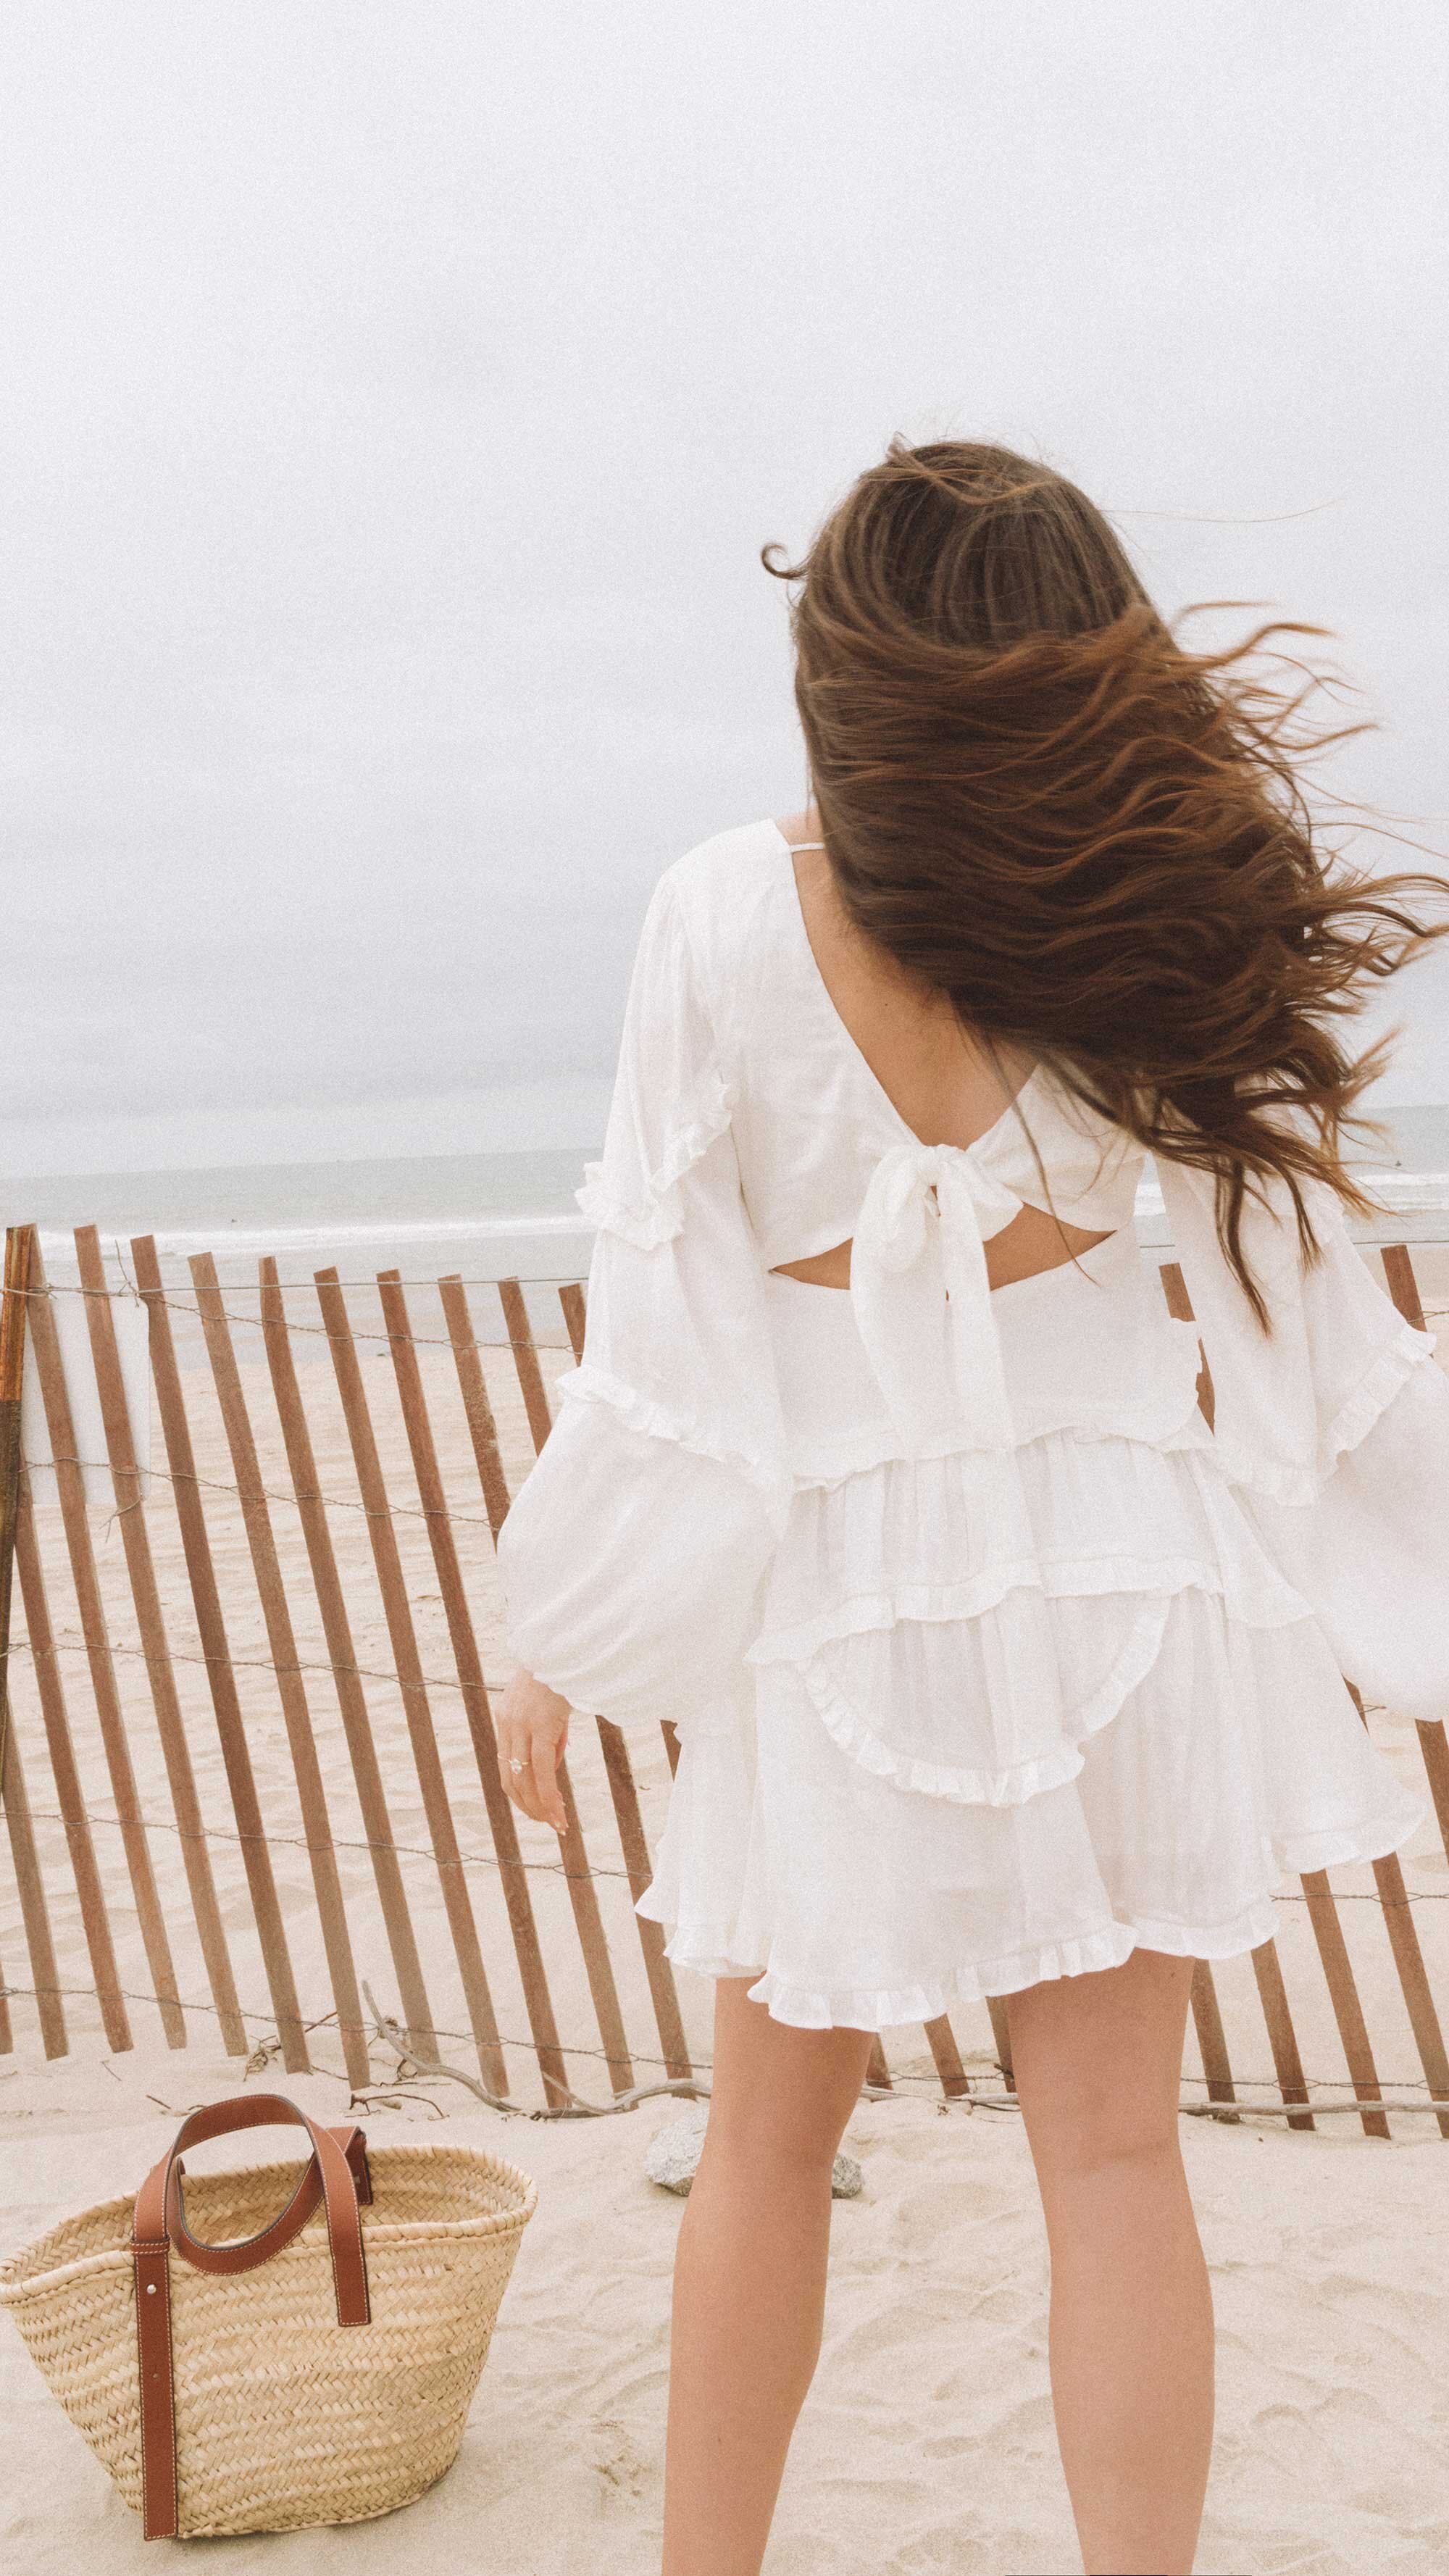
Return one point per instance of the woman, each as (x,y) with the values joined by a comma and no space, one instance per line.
(999,1665)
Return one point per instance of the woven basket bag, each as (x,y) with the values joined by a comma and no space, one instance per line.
(310,2373)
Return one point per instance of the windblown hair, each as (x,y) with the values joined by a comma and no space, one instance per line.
(1095,841)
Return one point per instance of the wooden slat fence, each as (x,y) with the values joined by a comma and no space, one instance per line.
(247,1751)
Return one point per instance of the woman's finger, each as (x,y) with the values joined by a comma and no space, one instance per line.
(533,1787)
(513,1748)
(543,1778)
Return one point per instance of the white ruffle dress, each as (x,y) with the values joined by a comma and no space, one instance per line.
(989,1660)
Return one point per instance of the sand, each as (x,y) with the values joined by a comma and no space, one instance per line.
(928,2440)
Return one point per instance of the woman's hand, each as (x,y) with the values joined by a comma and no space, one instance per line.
(533,1728)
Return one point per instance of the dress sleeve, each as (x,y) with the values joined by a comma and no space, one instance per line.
(633,1555)
(1335,1431)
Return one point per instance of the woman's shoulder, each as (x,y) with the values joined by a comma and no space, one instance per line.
(723,889)
(727,862)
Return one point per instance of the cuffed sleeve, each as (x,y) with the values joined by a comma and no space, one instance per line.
(632,1557)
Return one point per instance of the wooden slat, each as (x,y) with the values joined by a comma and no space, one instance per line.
(482,1429)
(1434,1746)
(282,1645)
(12,1372)
(947,2056)
(1282,2038)
(583,1896)
(575,1314)
(342,1655)
(1211,2039)
(1403,1287)
(663,1993)
(670,1733)
(525,1359)
(30,1888)
(150,1918)
(501,1814)
(397,1610)
(20,1267)
(589,1925)
(211,1627)
(1179,1305)
(1174,1289)
(12,1368)
(1414,1978)
(1408,1957)
(105,1976)
(1347,2010)
(145,1594)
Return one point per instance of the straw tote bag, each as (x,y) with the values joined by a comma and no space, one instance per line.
(301,2375)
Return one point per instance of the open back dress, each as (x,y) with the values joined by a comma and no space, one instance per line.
(989,1659)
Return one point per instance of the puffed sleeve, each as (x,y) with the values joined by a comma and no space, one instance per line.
(632,1557)
(1335,1432)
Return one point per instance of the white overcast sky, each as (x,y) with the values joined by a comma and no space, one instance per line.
(396,400)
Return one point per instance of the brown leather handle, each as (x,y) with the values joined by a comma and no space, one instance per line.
(160,2210)
(336,2174)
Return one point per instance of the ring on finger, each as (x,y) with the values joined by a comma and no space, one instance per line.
(513,1763)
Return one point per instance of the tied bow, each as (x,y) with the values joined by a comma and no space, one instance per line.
(922,1300)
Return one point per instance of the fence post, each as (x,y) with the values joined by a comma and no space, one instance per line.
(18,1241)
(12,1364)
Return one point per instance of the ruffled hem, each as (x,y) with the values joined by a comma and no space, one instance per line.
(984,1689)
(708,1948)
(1272,1603)
(1012,1786)
(656,1217)
(1278,1482)
(1207,1758)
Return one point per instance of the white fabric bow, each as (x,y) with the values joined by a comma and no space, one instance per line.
(922,1300)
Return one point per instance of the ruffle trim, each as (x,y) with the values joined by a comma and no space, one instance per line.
(1012,1786)
(1153,1424)
(707,1947)
(1253,1592)
(1276,1605)
(1168,1419)
(1390,1369)
(590,1384)
(656,1217)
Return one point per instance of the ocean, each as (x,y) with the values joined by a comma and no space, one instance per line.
(484,1216)
(488,1216)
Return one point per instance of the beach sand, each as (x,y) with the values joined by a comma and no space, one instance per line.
(927,2443)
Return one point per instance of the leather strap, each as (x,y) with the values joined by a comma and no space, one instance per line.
(336,2174)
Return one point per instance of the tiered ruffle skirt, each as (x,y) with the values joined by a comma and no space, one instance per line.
(1010,1715)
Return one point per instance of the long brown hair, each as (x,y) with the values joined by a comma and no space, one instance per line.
(1097,842)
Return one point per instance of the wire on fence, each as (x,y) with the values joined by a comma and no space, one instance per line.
(318,1332)
(1416,2097)
(596,1869)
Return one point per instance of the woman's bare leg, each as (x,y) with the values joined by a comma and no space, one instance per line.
(749,2278)
(1098,2062)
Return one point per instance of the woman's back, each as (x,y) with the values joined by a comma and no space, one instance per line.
(943,1089)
